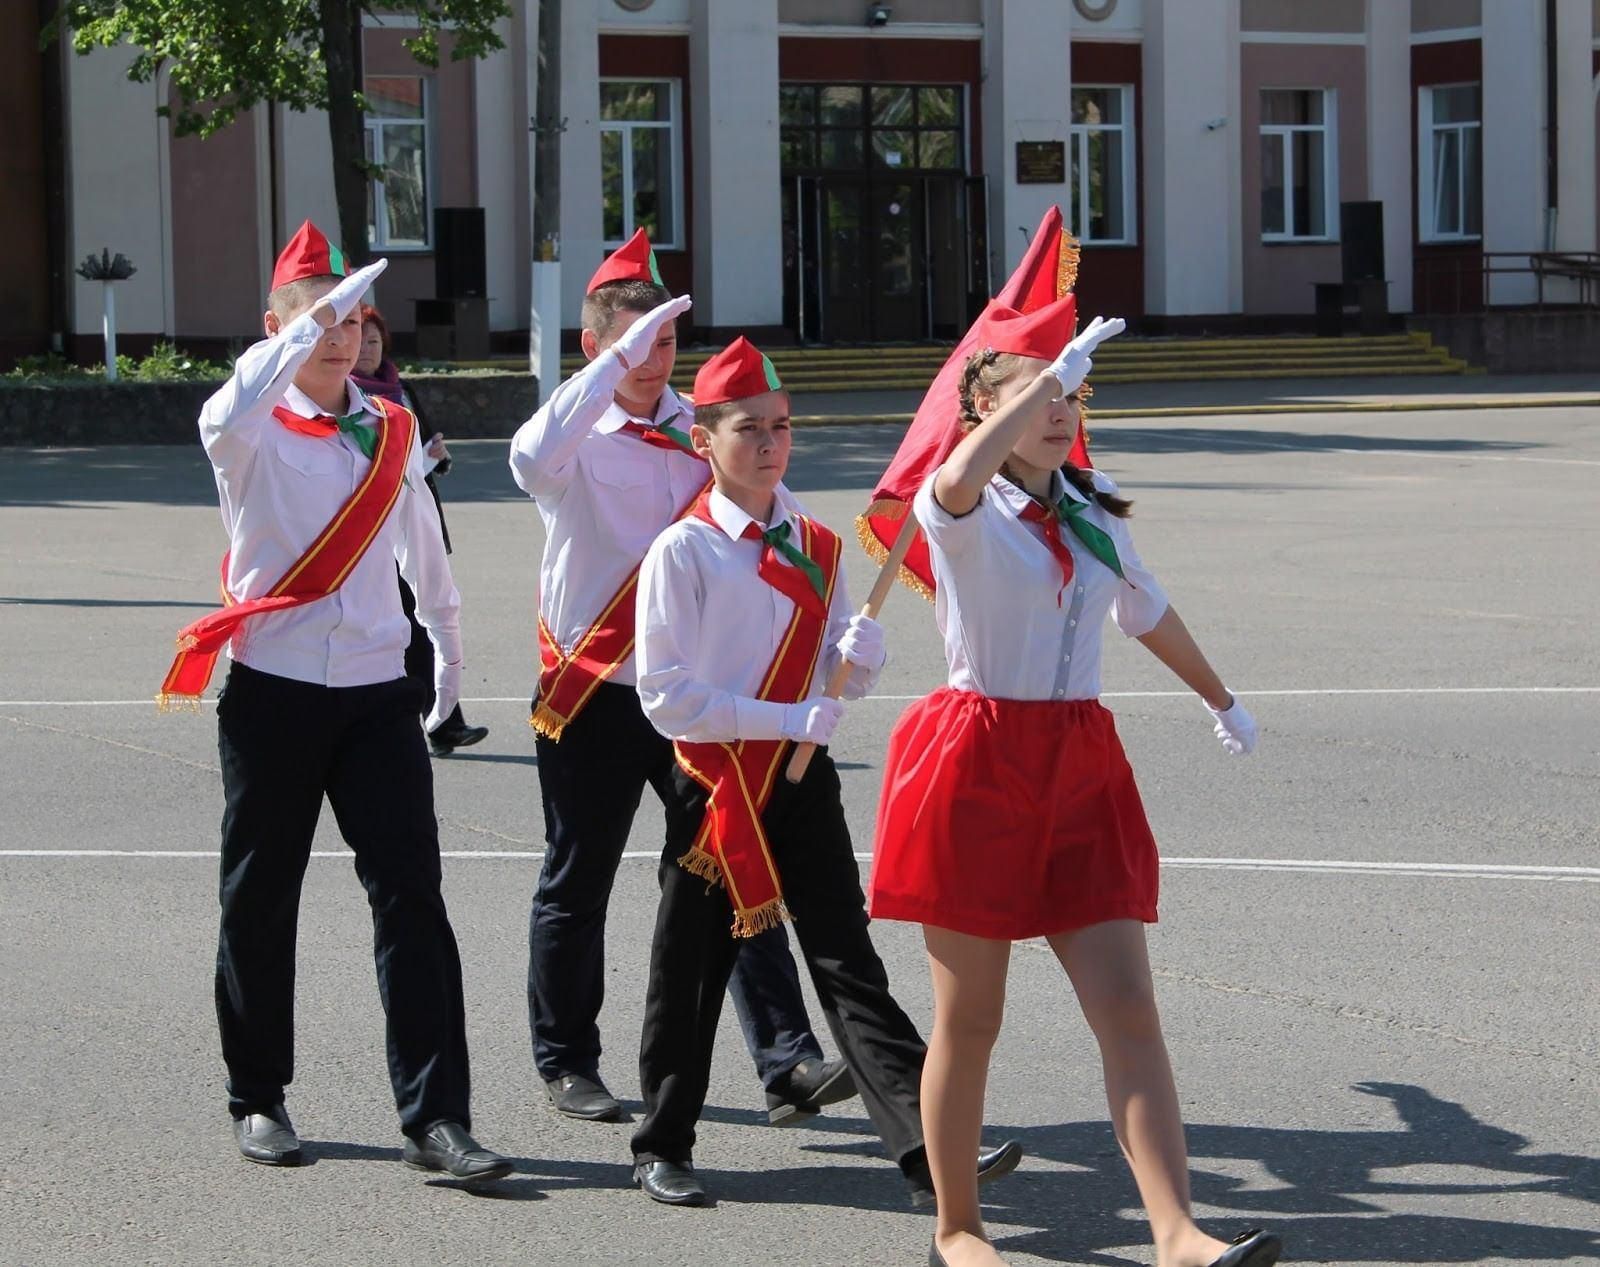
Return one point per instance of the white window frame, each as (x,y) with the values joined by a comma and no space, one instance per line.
(1284,132)
(673,126)
(380,210)
(1080,133)
(1427,227)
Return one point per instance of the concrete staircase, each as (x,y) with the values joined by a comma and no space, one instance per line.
(910,367)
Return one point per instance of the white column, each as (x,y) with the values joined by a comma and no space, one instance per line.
(1575,139)
(305,173)
(1513,138)
(496,135)
(582,231)
(737,195)
(118,189)
(1027,96)
(1192,220)
(1389,139)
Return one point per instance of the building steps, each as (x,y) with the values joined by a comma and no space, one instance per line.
(910,367)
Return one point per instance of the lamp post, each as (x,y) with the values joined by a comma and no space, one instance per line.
(105,269)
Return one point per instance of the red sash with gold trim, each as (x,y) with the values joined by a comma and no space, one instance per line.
(568,682)
(317,573)
(731,847)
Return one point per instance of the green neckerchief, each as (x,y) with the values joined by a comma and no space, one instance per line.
(1070,512)
(363,433)
(778,538)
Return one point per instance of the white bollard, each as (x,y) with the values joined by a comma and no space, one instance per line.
(108,330)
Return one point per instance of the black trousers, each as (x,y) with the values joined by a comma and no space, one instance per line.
(693,952)
(284,745)
(591,783)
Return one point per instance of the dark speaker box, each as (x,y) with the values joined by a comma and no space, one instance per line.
(459,267)
(1361,241)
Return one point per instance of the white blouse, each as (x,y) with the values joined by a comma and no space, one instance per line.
(1006,635)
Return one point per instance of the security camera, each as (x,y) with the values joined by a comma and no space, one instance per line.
(878,14)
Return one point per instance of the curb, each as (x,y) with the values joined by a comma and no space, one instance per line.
(1214,411)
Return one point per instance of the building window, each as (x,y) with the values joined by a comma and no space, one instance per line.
(887,127)
(1299,180)
(1102,164)
(397,141)
(639,185)
(1450,162)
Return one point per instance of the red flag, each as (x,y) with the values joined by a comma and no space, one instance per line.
(1048,271)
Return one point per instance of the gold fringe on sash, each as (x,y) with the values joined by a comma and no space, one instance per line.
(697,862)
(168,703)
(547,722)
(767,915)
(878,552)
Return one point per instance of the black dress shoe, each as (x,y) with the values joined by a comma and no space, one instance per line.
(583,1098)
(446,1146)
(454,733)
(669,1183)
(806,1089)
(1254,1248)
(268,1138)
(993,1163)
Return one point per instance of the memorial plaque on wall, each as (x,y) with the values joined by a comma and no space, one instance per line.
(1041,162)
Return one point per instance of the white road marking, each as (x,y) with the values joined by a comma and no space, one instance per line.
(1312,447)
(1315,866)
(1320,690)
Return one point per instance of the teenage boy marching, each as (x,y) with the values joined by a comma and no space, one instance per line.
(742,616)
(609,464)
(322,494)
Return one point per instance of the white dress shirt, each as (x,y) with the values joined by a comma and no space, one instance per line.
(603,493)
(279,489)
(709,627)
(1005,635)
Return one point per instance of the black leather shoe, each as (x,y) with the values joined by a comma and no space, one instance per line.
(268,1138)
(1254,1248)
(583,1098)
(993,1163)
(447,738)
(809,1086)
(446,1146)
(669,1183)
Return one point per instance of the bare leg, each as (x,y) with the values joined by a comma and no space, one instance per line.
(1110,970)
(969,987)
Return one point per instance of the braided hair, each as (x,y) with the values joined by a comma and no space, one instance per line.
(985,371)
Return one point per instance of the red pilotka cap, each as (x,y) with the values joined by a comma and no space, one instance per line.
(739,370)
(1040,334)
(309,254)
(633,261)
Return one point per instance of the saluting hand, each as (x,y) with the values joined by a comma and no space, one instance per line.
(337,304)
(1074,363)
(634,345)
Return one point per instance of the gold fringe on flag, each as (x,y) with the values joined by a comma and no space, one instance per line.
(877,551)
(1067,264)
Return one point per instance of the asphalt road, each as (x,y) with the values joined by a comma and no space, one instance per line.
(1384,1011)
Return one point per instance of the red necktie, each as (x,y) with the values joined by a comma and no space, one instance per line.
(1048,523)
(792,582)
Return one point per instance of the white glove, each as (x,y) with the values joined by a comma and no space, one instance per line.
(446,693)
(812,720)
(861,647)
(634,344)
(1236,728)
(1073,365)
(347,294)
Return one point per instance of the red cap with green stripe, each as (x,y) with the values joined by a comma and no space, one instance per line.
(633,261)
(309,254)
(739,370)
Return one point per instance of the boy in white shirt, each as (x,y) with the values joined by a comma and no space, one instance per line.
(322,494)
(607,460)
(742,615)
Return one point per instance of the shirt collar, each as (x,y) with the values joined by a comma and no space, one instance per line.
(616,417)
(1017,500)
(733,520)
(297,402)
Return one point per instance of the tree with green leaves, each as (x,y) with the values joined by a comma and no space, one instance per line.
(227,56)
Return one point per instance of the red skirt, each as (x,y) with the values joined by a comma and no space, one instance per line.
(1010,819)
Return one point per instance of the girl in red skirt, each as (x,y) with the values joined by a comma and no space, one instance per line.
(1008,809)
